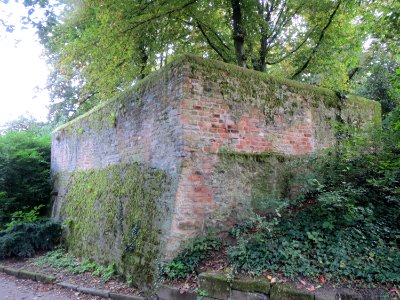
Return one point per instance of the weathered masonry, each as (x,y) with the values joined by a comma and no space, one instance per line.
(197,144)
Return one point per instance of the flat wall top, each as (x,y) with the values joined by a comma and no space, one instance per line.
(239,84)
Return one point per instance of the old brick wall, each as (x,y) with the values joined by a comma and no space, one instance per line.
(184,117)
(140,126)
(221,114)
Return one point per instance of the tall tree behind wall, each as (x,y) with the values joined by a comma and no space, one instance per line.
(98,48)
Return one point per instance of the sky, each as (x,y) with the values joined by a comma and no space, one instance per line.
(22,71)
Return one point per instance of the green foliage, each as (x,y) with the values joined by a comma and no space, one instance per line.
(191,256)
(376,78)
(345,224)
(105,273)
(98,48)
(24,239)
(57,259)
(61,260)
(201,293)
(24,171)
(25,217)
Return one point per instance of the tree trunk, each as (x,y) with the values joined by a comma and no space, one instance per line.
(262,55)
(239,33)
(143,61)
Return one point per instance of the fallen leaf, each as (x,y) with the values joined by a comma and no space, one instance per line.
(273,280)
(303,282)
(269,277)
(322,279)
(311,288)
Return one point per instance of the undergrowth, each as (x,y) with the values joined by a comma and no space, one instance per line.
(344,225)
(25,239)
(191,256)
(60,260)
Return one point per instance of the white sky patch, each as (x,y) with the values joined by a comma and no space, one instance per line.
(22,71)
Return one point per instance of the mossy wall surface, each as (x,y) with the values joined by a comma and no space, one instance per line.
(250,183)
(115,216)
(198,143)
(115,171)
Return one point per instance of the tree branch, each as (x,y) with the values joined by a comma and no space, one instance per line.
(291,51)
(159,16)
(321,37)
(198,24)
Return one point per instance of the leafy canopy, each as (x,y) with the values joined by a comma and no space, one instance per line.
(98,48)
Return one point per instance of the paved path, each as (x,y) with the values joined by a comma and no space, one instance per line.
(19,289)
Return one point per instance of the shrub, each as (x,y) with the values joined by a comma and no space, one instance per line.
(24,172)
(24,239)
(191,256)
(345,224)
(25,217)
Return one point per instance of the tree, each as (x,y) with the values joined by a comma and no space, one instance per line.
(376,76)
(102,47)
(374,73)
(24,169)
(98,48)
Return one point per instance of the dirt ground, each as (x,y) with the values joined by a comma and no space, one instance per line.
(12,288)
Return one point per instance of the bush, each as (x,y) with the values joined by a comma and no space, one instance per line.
(189,259)
(346,223)
(24,172)
(24,239)
(24,217)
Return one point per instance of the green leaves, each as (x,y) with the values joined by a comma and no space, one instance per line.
(59,259)
(349,227)
(25,217)
(100,48)
(24,171)
(191,256)
(24,239)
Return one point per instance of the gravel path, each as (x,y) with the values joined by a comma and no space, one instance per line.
(19,289)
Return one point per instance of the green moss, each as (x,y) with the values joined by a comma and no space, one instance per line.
(267,174)
(113,217)
(235,83)
(280,291)
(215,69)
(220,285)
(112,120)
(216,285)
(252,156)
(251,285)
(363,110)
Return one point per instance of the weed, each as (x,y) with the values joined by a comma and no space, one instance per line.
(189,259)
(60,260)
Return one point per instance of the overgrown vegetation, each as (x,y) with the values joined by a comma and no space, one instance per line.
(24,172)
(346,222)
(191,256)
(343,225)
(60,260)
(24,217)
(25,189)
(25,239)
